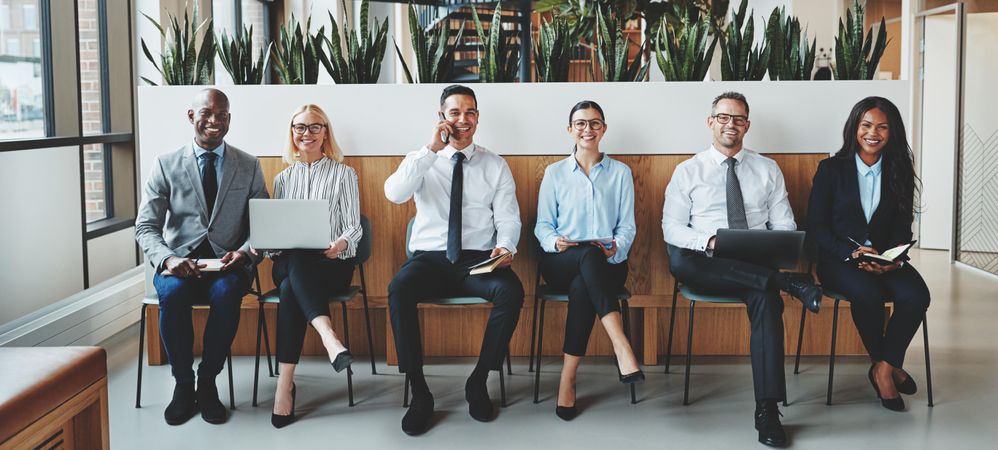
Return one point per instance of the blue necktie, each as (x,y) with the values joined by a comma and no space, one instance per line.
(454,218)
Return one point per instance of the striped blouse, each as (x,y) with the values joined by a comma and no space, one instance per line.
(326,179)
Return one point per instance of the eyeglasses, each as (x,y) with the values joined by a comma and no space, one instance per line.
(594,124)
(723,119)
(315,128)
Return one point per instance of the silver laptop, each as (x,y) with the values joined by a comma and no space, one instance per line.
(280,224)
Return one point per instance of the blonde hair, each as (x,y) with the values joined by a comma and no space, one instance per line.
(329,146)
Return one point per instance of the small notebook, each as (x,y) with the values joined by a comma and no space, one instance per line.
(888,257)
(490,264)
(210,265)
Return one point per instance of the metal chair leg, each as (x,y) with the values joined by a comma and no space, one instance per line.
(142,340)
(689,359)
(346,342)
(672,324)
(800,341)
(533,326)
(509,362)
(928,365)
(831,355)
(232,390)
(256,364)
(540,342)
(625,312)
(367,318)
(271,367)
(502,388)
(405,393)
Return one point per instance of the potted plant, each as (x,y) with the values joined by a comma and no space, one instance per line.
(360,63)
(499,55)
(740,61)
(183,62)
(434,54)
(852,61)
(237,57)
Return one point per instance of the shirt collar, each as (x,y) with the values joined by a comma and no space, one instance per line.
(469,151)
(317,163)
(198,151)
(575,163)
(718,158)
(865,170)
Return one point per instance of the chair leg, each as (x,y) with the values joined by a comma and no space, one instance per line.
(405,392)
(142,340)
(367,318)
(533,333)
(672,324)
(256,364)
(232,390)
(509,362)
(625,312)
(831,355)
(540,342)
(928,365)
(689,359)
(271,368)
(800,340)
(502,388)
(346,342)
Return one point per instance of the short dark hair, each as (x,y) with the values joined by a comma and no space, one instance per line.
(457,89)
(586,104)
(730,95)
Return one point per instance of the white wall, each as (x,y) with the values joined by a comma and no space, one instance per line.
(110,255)
(938,132)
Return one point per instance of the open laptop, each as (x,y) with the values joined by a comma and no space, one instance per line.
(776,249)
(280,224)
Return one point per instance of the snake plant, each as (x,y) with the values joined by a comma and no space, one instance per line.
(740,61)
(793,59)
(360,63)
(299,53)
(182,62)
(612,48)
(237,58)
(685,57)
(853,62)
(498,55)
(556,43)
(434,55)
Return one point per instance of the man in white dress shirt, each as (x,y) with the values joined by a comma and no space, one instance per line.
(466,212)
(728,186)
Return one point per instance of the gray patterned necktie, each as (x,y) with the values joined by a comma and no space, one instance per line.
(733,196)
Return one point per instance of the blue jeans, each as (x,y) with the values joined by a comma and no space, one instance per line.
(223,293)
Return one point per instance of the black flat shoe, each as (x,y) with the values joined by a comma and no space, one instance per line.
(183,406)
(342,361)
(419,416)
(801,286)
(893,404)
(212,409)
(908,387)
(279,421)
(767,422)
(479,404)
(632,377)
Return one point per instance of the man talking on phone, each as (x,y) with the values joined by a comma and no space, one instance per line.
(466,212)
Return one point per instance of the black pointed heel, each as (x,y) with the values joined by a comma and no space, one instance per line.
(566,413)
(279,421)
(342,361)
(893,404)
(632,377)
(908,387)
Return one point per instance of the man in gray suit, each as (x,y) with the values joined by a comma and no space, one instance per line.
(195,207)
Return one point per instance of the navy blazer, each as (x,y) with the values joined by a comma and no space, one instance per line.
(835,214)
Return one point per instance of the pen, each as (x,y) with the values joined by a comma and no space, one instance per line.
(854,241)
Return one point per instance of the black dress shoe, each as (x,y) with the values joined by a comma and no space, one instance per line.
(212,409)
(767,422)
(419,416)
(893,404)
(183,406)
(566,413)
(479,404)
(801,286)
(632,377)
(342,361)
(279,421)
(908,387)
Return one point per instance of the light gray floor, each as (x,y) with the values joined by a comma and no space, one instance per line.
(964,361)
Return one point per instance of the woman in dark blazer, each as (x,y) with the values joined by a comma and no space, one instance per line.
(863,201)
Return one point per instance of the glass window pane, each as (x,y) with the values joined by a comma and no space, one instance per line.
(90,67)
(93,182)
(22,102)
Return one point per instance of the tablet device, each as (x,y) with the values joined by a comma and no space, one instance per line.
(599,240)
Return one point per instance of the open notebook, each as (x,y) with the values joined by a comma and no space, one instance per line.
(888,257)
(490,264)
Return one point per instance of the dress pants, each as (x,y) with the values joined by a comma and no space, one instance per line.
(592,284)
(223,292)
(429,275)
(867,292)
(750,283)
(306,280)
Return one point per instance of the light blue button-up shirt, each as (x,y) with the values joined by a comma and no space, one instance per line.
(869,186)
(199,154)
(582,206)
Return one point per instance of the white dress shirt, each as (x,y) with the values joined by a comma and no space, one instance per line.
(490,215)
(696,201)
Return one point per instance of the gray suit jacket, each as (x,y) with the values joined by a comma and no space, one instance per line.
(173,220)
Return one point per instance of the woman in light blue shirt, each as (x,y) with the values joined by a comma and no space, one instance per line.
(587,197)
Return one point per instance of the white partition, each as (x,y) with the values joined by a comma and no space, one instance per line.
(938,132)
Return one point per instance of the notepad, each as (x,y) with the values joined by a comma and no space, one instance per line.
(210,265)
(490,264)
(599,240)
(888,257)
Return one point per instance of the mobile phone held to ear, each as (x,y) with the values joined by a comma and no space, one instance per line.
(444,136)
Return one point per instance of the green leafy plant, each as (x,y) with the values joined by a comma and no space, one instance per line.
(556,42)
(853,62)
(793,59)
(361,63)
(738,62)
(183,63)
(685,57)
(434,55)
(237,57)
(299,53)
(498,55)
(612,47)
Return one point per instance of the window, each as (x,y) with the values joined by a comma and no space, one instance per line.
(5,17)
(13,47)
(92,63)
(30,17)
(22,93)
(94,182)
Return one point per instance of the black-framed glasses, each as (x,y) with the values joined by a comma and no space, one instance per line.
(723,119)
(314,128)
(594,124)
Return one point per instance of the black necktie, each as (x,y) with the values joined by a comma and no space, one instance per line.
(209,181)
(454,219)
(733,196)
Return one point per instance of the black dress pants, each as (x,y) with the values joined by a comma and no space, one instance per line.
(429,275)
(751,284)
(592,284)
(306,279)
(867,292)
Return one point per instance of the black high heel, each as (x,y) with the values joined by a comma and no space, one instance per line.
(279,421)
(566,413)
(908,386)
(632,377)
(342,361)
(893,404)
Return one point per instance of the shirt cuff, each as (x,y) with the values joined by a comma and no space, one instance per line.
(549,244)
(507,245)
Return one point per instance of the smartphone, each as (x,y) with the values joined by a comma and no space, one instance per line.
(444,136)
